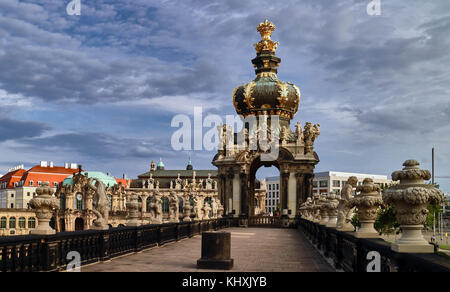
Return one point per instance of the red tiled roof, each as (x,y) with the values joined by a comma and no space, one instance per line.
(11,177)
(122,181)
(55,174)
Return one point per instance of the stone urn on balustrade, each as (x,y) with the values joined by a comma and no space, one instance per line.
(133,210)
(411,198)
(332,210)
(323,210)
(367,202)
(44,205)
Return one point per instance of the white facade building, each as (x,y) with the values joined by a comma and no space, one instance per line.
(272,194)
(333,181)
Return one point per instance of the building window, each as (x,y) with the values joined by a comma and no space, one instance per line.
(344,183)
(12,206)
(28,194)
(22,222)
(62,202)
(12,195)
(12,223)
(31,183)
(32,223)
(180,205)
(323,183)
(336,183)
(165,205)
(39,183)
(315,184)
(55,184)
(3,223)
(270,187)
(278,187)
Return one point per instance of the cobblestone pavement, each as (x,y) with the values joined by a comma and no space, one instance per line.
(253,250)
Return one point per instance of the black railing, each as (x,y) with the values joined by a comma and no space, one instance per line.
(49,253)
(350,254)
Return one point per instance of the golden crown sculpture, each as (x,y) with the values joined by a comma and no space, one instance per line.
(266,44)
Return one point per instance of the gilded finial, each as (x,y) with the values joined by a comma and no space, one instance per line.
(266,29)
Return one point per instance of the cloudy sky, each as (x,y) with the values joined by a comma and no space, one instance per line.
(102,88)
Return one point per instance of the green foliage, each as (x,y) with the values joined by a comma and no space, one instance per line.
(432,209)
(386,221)
(355,220)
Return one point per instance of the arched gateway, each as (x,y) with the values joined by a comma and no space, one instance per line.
(267,106)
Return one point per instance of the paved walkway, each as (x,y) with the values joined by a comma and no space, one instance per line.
(253,250)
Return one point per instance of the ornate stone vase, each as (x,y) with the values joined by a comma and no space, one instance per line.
(367,202)
(323,210)
(133,210)
(411,198)
(44,205)
(332,210)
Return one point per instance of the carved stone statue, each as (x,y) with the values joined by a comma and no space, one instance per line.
(101,204)
(311,133)
(198,208)
(345,208)
(214,207)
(299,133)
(156,209)
(206,209)
(173,208)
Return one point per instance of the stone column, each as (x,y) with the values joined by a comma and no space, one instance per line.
(229,193)
(411,198)
(44,205)
(284,187)
(244,192)
(144,198)
(367,203)
(300,188)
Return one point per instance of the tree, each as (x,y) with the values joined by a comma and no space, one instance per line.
(386,221)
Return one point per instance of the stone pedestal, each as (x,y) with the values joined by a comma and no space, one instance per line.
(216,251)
(412,241)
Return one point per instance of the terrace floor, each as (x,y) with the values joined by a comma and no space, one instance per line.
(253,250)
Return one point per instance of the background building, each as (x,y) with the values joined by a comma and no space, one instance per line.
(18,186)
(273,194)
(333,181)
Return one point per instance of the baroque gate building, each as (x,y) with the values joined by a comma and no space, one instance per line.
(272,104)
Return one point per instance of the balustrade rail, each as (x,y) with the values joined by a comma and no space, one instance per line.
(264,221)
(350,254)
(34,253)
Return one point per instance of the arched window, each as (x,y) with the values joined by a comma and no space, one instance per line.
(140,204)
(62,202)
(165,205)
(110,198)
(180,205)
(12,223)
(31,223)
(148,202)
(191,201)
(3,223)
(22,222)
